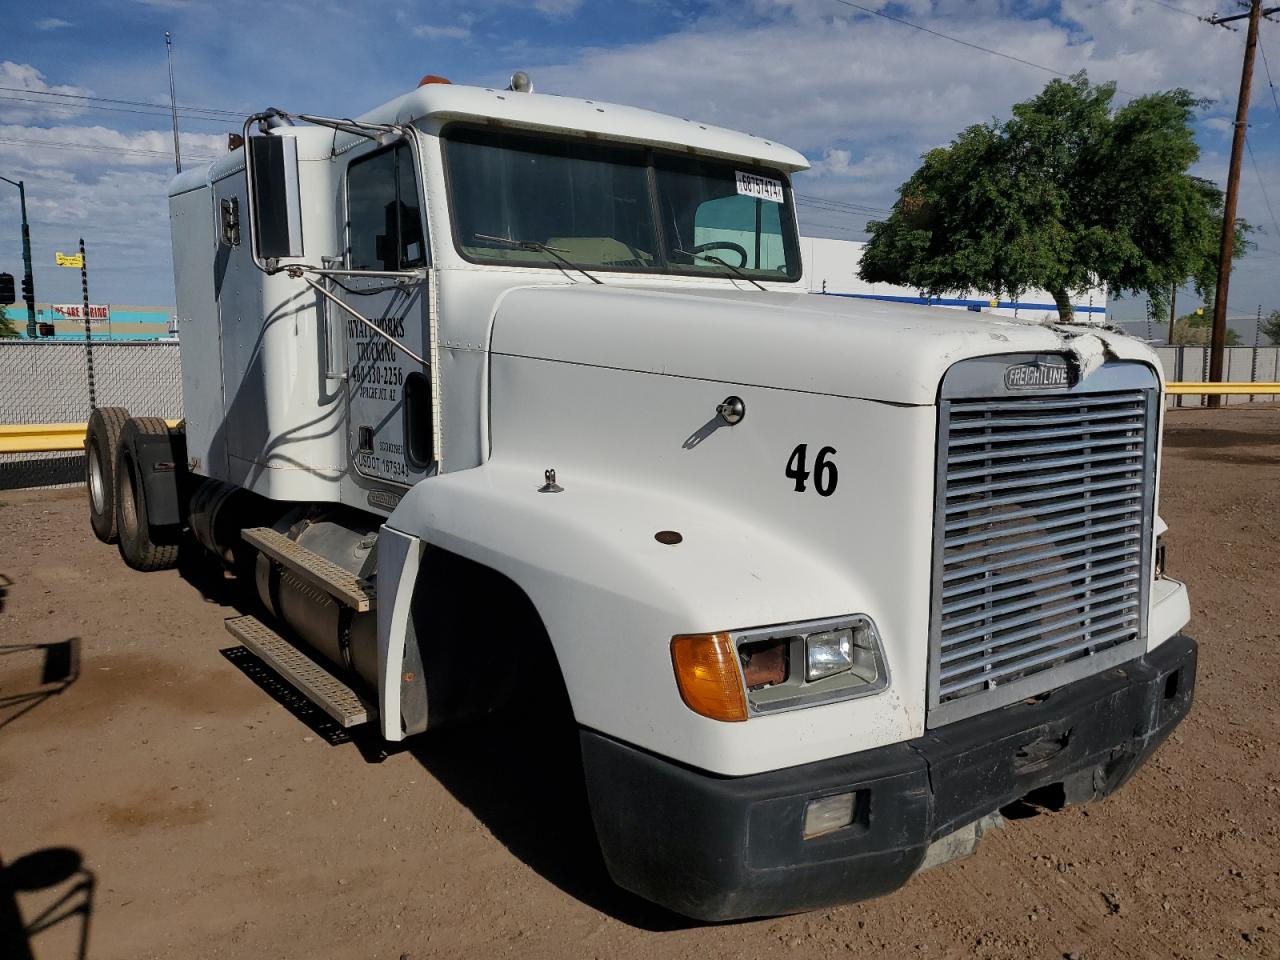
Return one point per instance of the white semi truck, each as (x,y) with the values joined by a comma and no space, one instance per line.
(494,393)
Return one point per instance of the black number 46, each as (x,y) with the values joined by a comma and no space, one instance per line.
(825,475)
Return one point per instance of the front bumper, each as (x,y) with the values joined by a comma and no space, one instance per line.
(721,848)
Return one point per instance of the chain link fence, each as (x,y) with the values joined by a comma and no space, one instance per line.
(49,383)
(1240,365)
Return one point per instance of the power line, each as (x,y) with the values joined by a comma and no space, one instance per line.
(1175,9)
(240,115)
(1267,67)
(1262,186)
(132,151)
(852,214)
(805,221)
(72,108)
(964,43)
(840,205)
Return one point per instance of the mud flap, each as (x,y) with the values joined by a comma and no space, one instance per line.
(402,692)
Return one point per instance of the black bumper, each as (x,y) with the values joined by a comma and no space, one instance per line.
(721,848)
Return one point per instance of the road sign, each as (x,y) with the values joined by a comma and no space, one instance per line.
(75,260)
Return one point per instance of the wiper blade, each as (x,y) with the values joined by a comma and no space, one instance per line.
(728,266)
(538,245)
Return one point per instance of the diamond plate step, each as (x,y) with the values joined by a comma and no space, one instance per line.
(310,566)
(321,687)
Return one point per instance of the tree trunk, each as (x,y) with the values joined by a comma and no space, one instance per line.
(1066,312)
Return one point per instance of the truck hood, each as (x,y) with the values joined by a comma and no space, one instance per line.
(840,346)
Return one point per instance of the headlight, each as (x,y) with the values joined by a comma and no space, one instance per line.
(782,668)
(855,649)
(829,653)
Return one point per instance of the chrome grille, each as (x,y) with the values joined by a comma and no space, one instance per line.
(1042,539)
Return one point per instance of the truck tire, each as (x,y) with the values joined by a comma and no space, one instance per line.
(101,442)
(137,546)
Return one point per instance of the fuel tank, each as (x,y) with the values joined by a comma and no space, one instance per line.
(333,630)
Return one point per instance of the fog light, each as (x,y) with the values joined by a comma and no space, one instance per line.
(827,654)
(827,815)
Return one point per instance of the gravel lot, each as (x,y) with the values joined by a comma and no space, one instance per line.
(177,810)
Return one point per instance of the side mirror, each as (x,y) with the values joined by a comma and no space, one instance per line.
(276,212)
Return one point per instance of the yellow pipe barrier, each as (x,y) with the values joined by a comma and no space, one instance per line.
(46,437)
(55,437)
(1190,388)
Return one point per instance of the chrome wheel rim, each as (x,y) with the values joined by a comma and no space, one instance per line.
(97,485)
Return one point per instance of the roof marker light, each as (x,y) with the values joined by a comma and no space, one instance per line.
(432,78)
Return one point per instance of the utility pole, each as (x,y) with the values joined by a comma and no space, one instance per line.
(28,278)
(1173,309)
(173,102)
(1218,341)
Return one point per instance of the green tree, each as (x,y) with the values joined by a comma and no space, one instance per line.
(1271,327)
(1064,194)
(7,329)
(1196,330)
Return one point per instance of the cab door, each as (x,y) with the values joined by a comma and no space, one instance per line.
(391,429)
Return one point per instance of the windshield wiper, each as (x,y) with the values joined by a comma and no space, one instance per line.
(538,245)
(726,265)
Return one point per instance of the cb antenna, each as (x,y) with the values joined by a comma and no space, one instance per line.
(173,103)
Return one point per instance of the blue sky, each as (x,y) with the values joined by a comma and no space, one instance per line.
(861,95)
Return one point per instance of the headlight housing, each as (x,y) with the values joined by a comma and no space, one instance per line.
(785,667)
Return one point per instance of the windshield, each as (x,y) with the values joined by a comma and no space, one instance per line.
(612,207)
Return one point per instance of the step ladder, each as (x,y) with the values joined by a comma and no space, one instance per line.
(315,681)
(321,572)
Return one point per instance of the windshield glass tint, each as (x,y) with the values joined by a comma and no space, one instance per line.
(709,210)
(514,195)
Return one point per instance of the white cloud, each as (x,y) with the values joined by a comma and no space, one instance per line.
(27,95)
(861,95)
(113,195)
(77,147)
(840,163)
(557,8)
(51,23)
(430,32)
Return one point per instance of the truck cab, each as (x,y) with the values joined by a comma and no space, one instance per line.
(828,582)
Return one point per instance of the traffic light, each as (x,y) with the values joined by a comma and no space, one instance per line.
(28,291)
(6,289)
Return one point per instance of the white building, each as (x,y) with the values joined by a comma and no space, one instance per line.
(831,267)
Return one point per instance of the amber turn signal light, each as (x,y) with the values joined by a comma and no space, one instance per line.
(707,674)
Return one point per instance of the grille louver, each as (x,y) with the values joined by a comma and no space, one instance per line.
(1041,541)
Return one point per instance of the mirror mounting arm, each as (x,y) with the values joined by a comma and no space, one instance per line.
(298,272)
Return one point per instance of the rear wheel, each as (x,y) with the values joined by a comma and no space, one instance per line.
(101,442)
(133,526)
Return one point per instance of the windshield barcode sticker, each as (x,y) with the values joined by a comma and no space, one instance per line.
(762,188)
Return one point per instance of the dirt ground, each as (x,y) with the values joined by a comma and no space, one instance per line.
(154,799)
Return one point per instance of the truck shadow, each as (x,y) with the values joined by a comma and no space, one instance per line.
(518,771)
(523,780)
(60,870)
